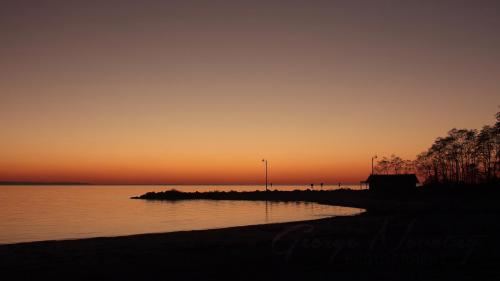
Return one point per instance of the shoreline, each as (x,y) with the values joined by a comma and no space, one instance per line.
(181,231)
(176,232)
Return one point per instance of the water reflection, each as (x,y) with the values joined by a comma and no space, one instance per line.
(32,213)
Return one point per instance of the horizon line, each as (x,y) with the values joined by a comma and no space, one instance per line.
(165,184)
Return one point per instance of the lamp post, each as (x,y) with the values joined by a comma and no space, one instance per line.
(265,162)
(373,157)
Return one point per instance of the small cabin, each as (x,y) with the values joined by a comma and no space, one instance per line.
(392,183)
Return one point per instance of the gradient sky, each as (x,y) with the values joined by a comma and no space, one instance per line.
(201,91)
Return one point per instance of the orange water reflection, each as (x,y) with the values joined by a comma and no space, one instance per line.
(32,213)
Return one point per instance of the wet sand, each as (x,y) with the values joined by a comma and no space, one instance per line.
(428,235)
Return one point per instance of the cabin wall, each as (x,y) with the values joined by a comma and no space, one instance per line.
(392,187)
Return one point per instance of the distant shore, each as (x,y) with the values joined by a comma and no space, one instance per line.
(41,183)
(397,238)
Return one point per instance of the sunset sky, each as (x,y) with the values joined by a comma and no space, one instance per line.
(201,91)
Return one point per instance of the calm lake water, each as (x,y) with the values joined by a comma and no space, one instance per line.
(34,213)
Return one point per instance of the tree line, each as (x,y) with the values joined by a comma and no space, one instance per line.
(463,156)
(394,165)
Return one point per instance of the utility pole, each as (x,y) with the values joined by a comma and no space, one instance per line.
(265,162)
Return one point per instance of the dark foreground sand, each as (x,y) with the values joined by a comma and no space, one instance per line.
(430,235)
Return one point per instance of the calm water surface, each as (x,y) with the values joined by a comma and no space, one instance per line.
(33,213)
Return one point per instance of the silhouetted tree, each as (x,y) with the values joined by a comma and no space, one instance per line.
(383,166)
(485,149)
(463,156)
(397,164)
(394,165)
(426,167)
